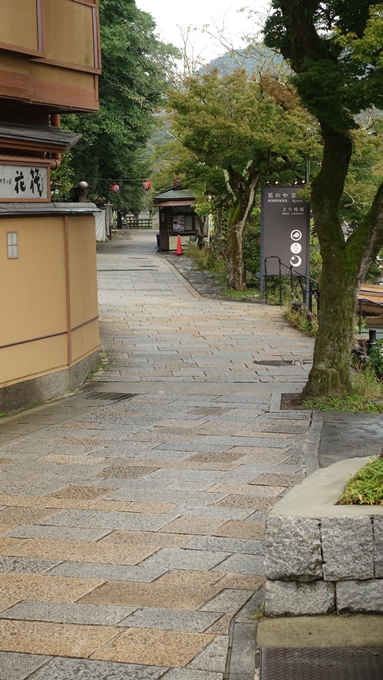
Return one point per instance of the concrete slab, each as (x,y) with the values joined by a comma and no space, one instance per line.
(321,631)
(316,497)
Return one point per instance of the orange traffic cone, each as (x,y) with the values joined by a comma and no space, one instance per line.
(179,246)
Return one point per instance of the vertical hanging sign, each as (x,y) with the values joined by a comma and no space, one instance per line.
(285,231)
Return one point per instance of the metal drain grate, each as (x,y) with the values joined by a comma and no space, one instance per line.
(282,362)
(108,396)
(321,664)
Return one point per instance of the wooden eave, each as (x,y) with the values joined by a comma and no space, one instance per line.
(174,204)
(36,138)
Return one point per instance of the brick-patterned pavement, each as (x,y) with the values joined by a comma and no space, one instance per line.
(131,527)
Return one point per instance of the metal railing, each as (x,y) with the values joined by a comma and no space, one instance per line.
(294,274)
(370,302)
(134,223)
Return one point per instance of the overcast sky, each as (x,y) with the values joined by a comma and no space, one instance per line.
(220,15)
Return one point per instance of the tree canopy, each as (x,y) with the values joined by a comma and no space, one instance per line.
(135,65)
(335,49)
(239,130)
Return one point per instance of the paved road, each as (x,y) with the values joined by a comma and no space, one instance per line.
(132,512)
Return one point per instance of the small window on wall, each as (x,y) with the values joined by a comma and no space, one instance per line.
(12,245)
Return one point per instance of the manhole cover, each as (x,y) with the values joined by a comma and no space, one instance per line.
(108,396)
(321,664)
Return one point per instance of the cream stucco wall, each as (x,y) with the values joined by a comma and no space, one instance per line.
(48,296)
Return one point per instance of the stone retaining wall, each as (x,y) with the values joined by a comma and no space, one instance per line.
(321,566)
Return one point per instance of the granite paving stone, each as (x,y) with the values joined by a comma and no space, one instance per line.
(178,558)
(168,491)
(86,669)
(193,525)
(228,601)
(44,587)
(59,612)
(121,520)
(243,501)
(155,647)
(213,658)
(175,590)
(189,674)
(228,545)
(244,564)
(241,529)
(18,515)
(81,492)
(166,619)
(25,565)
(216,512)
(168,496)
(6,604)
(15,666)
(79,551)
(63,533)
(277,479)
(142,573)
(222,626)
(4,528)
(32,637)
(246,490)
(149,540)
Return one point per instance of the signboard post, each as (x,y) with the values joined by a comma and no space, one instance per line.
(285,231)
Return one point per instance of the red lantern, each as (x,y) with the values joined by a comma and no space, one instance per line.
(146,186)
(115,188)
(177,183)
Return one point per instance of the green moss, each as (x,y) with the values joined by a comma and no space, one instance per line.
(366,487)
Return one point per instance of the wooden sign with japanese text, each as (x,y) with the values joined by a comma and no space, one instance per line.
(24,183)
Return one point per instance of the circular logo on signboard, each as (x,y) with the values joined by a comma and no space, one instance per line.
(296,235)
(295,248)
(296,261)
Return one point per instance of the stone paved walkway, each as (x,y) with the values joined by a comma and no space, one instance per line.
(132,512)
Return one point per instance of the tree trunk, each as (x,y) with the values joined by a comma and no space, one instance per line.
(344,267)
(234,257)
(245,197)
(330,374)
(216,241)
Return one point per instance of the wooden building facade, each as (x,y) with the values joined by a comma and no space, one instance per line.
(49,64)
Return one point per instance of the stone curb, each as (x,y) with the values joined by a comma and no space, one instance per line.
(241,659)
(181,278)
(310,452)
(316,497)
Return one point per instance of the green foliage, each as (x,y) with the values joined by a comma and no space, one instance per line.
(365,173)
(252,243)
(134,70)
(366,487)
(204,259)
(259,612)
(63,179)
(334,48)
(232,132)
(236,122)
(366,396)
(302,321)
(375,362)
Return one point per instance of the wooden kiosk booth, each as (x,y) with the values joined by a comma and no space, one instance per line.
(49,64)
(176,214)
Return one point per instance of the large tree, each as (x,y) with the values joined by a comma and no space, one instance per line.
(335,49)
(135,68)
(248,128)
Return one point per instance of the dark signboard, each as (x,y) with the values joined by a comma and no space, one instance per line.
(285,230)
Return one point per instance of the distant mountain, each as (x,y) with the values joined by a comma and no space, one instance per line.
(253,59)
